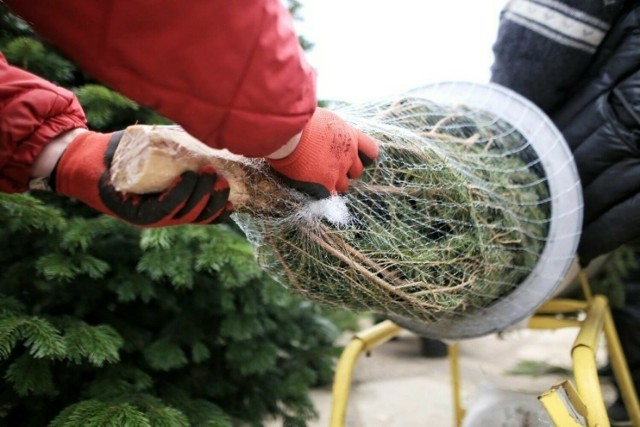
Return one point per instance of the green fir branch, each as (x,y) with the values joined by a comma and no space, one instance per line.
(241,327)
(130,288)
(158,413)
(157,238)
(22,212)
(120,380)
(97,344)
(251,357)
(200,352)
(94,413)
(11,305)
(31,54)
(56,267)
(30,376)
(164,355)
(40,337)
(80,233)
(63,267)
(159,265)
(201,412)
(101,104)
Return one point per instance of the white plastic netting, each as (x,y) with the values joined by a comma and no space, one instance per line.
(453,217)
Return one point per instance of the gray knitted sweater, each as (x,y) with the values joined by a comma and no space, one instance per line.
(543,47)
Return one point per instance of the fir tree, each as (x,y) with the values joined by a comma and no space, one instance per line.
(104,324)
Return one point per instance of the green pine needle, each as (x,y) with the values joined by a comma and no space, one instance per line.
(21,212)
(65,267)
(93,413)
(30,376)
(101,104)
(56,266)
(163,264)
(165,355)
(98,344)
(166,416)
(10,305)
(240,326)
(199,352)
(251,357)
(135,287)
(157,238)
(80,233)
(120,380)
(201,412)
(30,54)
(39,336)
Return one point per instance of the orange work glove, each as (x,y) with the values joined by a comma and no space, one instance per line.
(329,152)
(83,173)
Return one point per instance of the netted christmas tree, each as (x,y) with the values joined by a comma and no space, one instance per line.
(103,324)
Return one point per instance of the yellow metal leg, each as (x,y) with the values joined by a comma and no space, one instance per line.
(454,363)
(583,354)
(616,356)
(621,371)
(360,343)
(560,305)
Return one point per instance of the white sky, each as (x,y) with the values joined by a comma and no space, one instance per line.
(371,48)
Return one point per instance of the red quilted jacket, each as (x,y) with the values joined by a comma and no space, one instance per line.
(230,72)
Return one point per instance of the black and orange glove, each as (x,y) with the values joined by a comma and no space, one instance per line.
(83,173)
(329,153)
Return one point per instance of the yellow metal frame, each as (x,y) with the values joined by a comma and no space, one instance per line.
(360,343)
(567,405)
(587,401)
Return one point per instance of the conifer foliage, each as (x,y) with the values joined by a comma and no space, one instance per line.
(104,324)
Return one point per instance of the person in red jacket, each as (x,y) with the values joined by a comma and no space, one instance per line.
(232,74)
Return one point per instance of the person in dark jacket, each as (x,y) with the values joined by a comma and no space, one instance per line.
(232,74)
(579,61)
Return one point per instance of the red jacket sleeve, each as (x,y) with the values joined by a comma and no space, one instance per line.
(32,112)
(231,72)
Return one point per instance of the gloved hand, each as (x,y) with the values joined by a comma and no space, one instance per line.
(601,123)
(329,152)
(83,173)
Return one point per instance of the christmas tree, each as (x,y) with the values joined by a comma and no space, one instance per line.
(105,324)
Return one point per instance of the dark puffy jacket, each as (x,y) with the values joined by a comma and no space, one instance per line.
(592,92)
(601,122)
